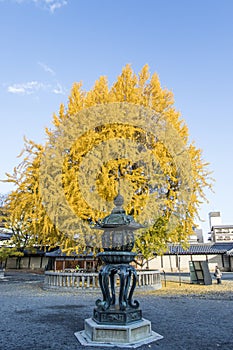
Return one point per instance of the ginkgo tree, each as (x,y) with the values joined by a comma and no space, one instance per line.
(126,138)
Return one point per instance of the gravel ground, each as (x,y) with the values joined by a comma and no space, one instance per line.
(37,319)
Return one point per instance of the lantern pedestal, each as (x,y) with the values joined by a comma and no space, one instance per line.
(128,336)
(117,318)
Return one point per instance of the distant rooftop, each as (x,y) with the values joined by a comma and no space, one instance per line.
(5,234)
(223,226)
(205,248)
(214,214)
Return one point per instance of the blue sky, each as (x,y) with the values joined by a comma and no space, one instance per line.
(47,45)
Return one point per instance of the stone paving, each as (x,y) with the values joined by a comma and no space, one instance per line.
(37,319)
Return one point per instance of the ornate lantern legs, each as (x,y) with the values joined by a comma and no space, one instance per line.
(124,309)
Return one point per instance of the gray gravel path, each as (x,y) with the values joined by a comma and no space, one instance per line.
(36,319)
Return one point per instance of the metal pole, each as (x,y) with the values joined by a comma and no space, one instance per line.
(164,278)
(179,270)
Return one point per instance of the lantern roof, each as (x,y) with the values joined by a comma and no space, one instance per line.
(118,218)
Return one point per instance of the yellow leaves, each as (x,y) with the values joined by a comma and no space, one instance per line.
(109,172)
(62,115)
(75,103)
(125,88)
(159,100)
(173,117)
(97,162)
(154,239)
(144,75)
(99,94)
(56,120)
(26,214)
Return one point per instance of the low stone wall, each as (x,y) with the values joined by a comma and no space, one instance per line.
(149,279)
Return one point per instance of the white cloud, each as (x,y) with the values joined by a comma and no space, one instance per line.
(58,89)
(50,5)
(46,68)
(26,88)
(33,87)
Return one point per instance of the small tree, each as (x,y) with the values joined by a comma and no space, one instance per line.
(6,252)
(7,248)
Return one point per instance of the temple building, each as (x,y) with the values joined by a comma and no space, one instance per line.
(219,232)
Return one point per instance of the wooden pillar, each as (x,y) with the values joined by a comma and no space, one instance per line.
(29,261)
(222,260)
(41,262)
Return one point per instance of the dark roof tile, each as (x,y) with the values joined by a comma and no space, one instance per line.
(208,248)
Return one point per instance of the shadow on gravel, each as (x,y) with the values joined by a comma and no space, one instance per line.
(65,307)
(33,318)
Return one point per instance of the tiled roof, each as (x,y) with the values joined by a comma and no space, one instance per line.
(59,253)
(5,234)
(222,226)
(195,249)
(208,248)
(35,251)
(230,252)
(55,253)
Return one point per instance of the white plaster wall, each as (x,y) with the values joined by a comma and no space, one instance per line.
(34,263)
(11,263)
(214,260)
(170,262)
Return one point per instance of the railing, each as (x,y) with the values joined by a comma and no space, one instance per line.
(148,279)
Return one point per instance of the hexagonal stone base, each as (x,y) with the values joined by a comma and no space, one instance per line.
(117,317)
(132,335)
